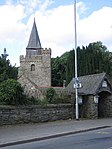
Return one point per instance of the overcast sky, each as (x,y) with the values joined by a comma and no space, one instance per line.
(55,24)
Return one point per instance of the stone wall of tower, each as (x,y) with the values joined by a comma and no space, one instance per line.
(41,76)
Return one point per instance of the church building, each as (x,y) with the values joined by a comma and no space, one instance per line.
(35,67)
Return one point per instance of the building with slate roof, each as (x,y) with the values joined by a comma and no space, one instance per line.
(34,74)
(91,84)
(35,66)
(95,95)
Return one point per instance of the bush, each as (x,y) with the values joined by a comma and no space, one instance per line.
(62,98)
(50,93)
(11,93)
(32,101)
(54,98)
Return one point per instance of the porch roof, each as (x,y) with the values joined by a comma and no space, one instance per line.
(91,84)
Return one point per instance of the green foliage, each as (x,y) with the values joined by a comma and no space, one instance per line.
(50,93)
(54,98)
(94,58)
(7,71)
(61,98)
(32,101)
(11,92)
(43,102)
(58,68)
(70,67)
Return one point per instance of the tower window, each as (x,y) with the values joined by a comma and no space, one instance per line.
(32,67)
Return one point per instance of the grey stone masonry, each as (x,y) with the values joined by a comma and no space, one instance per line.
(41,76)
(34,114)
(35,66)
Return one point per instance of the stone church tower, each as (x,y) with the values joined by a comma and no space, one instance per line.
(35,66)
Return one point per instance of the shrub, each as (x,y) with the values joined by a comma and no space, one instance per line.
(50,93)
(11,92)
(62,98)
(54,98)
(32,101)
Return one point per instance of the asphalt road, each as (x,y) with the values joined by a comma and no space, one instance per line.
(98,139)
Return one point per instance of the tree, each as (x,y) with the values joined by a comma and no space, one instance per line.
(11,92)
(94,58)
(7,71)
(50,93)
(70,67)
(58,68)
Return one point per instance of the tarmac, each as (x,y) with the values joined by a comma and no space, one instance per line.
(24,133)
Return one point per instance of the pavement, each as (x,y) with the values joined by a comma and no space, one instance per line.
(24,133)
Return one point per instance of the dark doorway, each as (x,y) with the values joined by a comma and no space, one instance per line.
(102,104)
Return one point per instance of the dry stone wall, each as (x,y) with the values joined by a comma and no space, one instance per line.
(35,114)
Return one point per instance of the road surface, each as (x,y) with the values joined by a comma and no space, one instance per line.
(98,139)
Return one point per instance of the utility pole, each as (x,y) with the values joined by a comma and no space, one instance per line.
(76,77)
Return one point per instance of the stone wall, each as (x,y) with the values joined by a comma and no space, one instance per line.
(108,107)
(88,109)
(34,114)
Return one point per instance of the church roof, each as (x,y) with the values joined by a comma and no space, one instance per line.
(34,41)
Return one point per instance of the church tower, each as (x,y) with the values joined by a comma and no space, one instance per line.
(35,66)
(34,45)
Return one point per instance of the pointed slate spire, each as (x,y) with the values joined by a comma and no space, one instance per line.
(34,43)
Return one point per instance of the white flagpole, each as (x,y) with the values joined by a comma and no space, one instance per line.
(76,77)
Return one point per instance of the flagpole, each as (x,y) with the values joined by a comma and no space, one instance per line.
(76,77)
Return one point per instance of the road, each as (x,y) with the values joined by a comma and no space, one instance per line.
(98,139)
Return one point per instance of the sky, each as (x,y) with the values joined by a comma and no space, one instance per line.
(55,25)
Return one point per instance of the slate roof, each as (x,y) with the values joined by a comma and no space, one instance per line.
(90,84)
(34,41)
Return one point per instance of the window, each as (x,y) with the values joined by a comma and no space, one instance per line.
(80,100)
(104,84)
(32,67)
